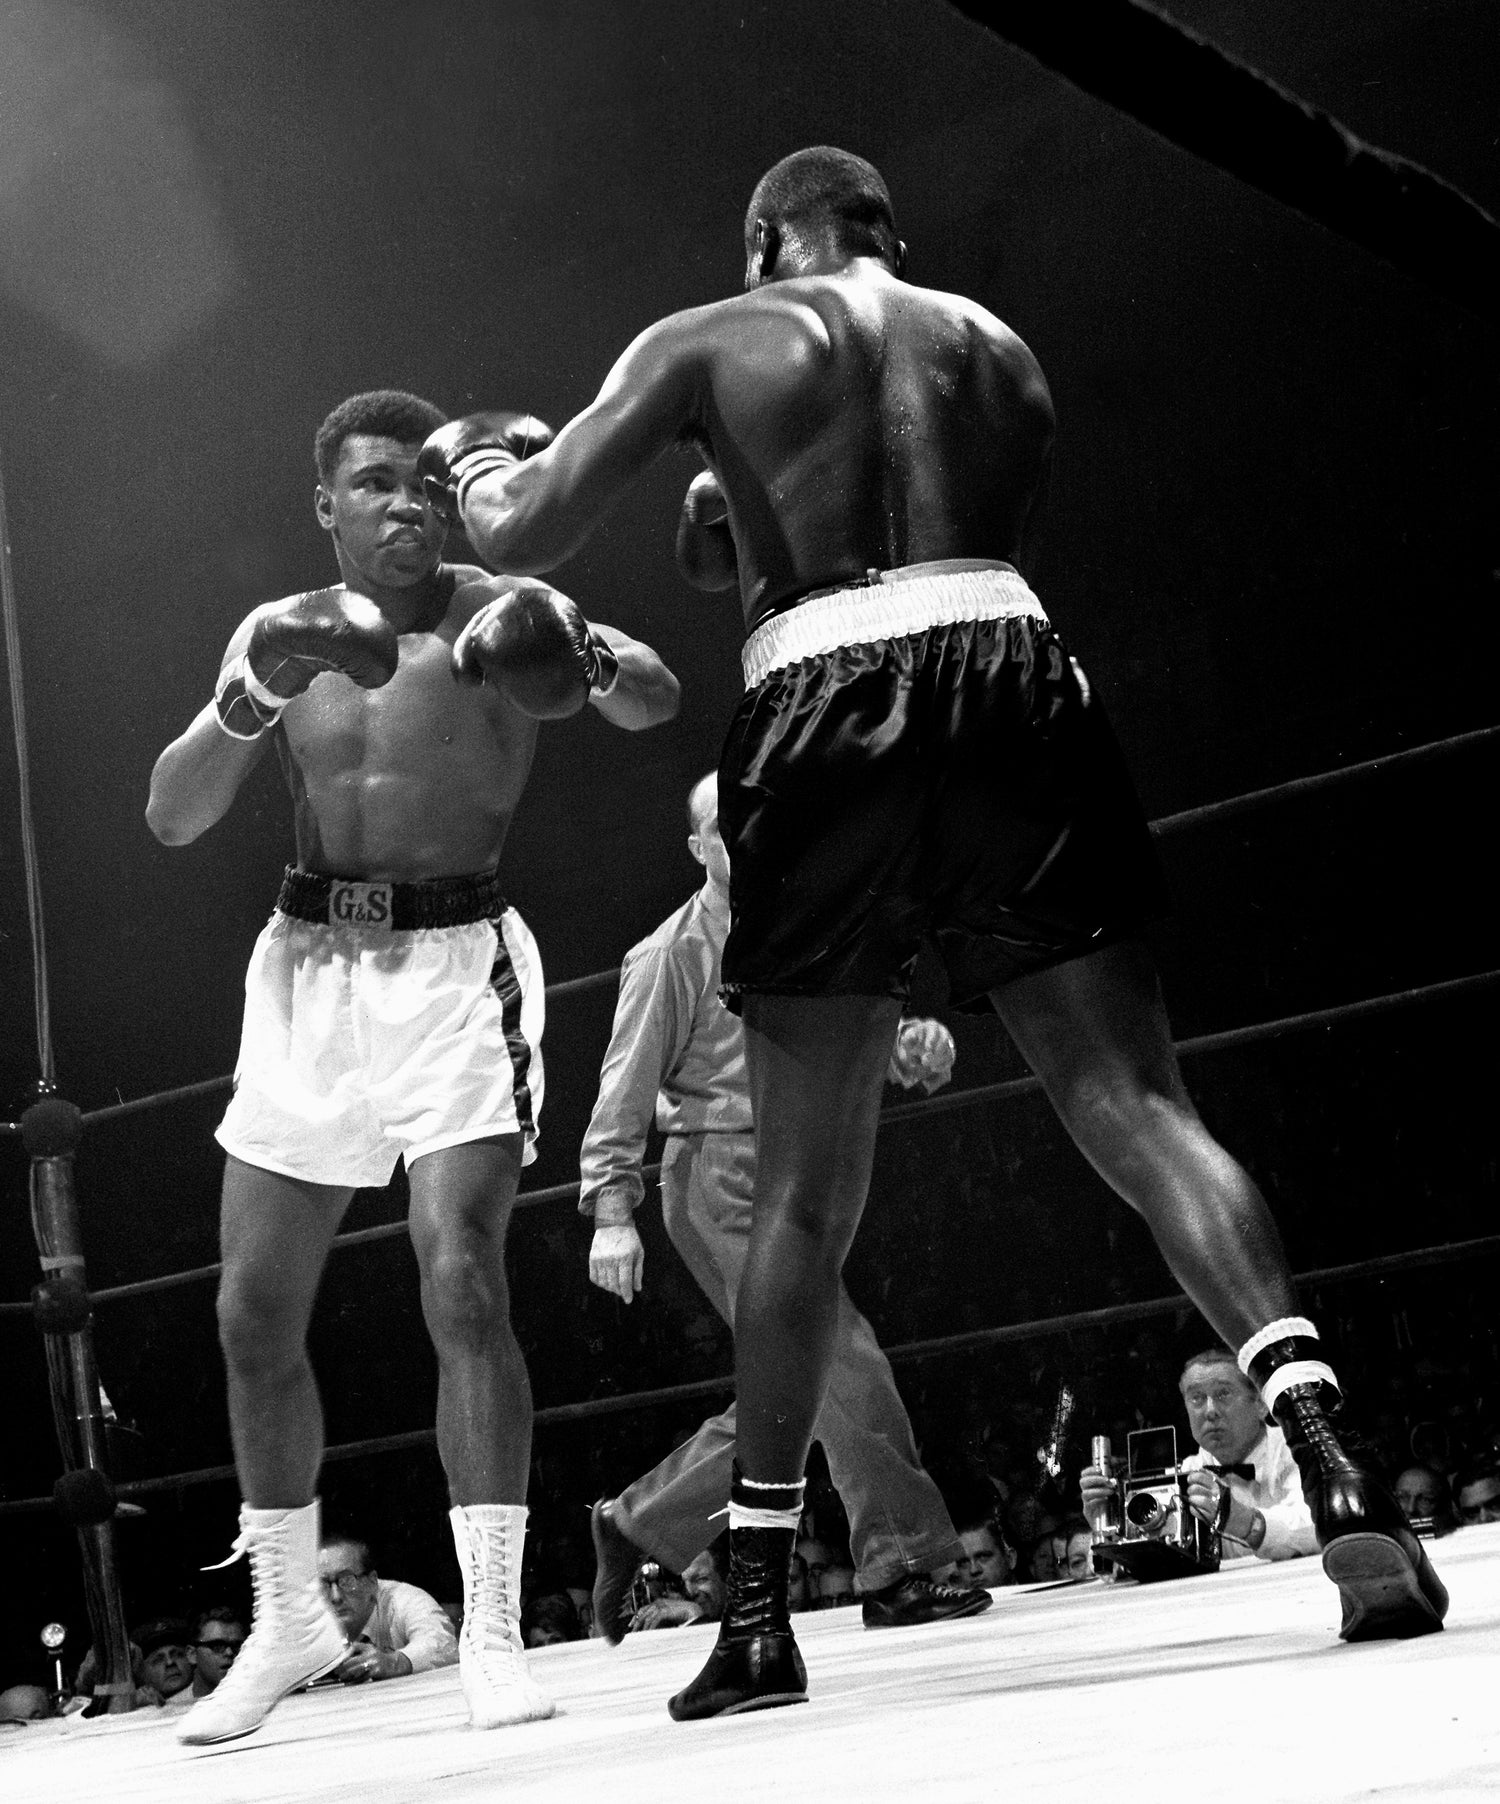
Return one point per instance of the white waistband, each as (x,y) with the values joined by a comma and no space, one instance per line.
(900,603)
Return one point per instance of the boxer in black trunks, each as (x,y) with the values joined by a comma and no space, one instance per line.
(915,754)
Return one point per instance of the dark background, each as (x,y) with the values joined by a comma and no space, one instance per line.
(1272,542)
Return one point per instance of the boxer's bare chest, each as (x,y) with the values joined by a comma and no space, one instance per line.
(418,778)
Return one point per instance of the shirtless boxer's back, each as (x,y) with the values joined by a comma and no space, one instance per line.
(916,755)
(861,423)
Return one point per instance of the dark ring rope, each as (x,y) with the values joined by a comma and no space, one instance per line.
(1191,93)
(907,1352)
(928,1105)
(1298,787)
(1209,813)
(1218,1042)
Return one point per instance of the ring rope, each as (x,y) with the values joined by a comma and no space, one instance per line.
(1222,1041)
(1227,1038)
(1209,812)
(1298,787)
(908,1351)
(1191,93)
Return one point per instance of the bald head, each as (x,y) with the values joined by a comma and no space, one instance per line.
(703,800)
(705,842)
(24,1704)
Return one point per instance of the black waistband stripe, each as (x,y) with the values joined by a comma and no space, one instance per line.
(392,907)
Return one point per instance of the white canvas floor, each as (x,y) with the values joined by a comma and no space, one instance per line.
(1229,1687)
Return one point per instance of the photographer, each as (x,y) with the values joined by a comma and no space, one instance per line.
(703,1593)
(1243,1479)
(393,1628)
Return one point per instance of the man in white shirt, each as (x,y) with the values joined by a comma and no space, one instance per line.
(1243,1478)
(393,1628)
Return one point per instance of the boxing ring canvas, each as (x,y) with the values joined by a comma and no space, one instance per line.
(1234,1683)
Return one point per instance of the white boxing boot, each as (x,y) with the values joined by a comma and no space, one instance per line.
(294,1636)
(491,1656)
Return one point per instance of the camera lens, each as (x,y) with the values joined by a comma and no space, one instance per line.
(1143,1510)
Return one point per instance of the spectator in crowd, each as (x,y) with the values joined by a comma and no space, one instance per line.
(146,1696)
(549,1619)
(703,1593)
(393,1628)
(835,1587)
(218,1635)
(1073,1549)
(1243,1478)
(21,1704)
(817,1556)
(1041,1561)
(988,1558)
(1479,1498)
(166,1661)
(1422,1491)
(703,1578)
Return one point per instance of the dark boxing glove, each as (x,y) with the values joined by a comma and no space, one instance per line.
(291,641)
(705,544)
(534,645)
(464,449)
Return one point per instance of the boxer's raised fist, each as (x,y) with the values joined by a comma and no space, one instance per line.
(327,629)
(290,642)
(705,545)
(463,449)
(534,645)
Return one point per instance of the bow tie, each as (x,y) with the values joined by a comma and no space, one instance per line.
(1244,1470)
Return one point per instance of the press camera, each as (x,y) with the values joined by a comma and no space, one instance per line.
(1149,1530)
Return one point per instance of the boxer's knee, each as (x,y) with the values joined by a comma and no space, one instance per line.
(465,1299)
(262,1332)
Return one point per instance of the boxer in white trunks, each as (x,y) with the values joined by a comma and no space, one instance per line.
(393,1010)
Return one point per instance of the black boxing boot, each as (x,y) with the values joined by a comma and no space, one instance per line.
(1386,1582)
(755,1664)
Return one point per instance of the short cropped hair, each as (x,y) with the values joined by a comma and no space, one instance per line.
(220,1613)
(1216,1356)
(381,413)
(336,1537)
(824,186)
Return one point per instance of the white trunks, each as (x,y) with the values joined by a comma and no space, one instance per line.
(365,1042)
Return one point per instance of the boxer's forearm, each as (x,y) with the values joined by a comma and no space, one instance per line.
(197,778)
(645,693)
(527,519)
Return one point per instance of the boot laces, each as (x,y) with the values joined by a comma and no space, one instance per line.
(490,1624)
(1307,1405)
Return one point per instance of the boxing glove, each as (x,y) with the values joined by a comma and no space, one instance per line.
(534,645)
(290,642)
(463,449)
(705,544)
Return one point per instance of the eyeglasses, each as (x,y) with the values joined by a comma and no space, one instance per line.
(226,1650)
(342,1581)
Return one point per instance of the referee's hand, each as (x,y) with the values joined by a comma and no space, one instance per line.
(617,1259)
(923,1054)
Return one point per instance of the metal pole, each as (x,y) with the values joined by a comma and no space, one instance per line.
(83,1494)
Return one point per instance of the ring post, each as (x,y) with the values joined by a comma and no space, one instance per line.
(84,1495)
